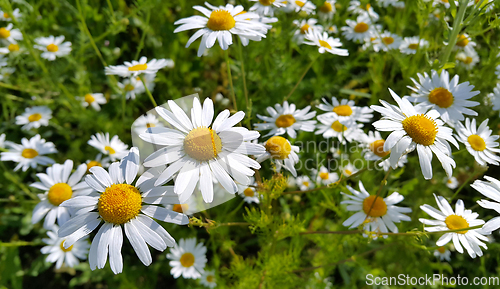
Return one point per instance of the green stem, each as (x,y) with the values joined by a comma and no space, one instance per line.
(143,36)
(301,77)
(148,92)
(416,233)
(230,78)
(89,35)
(111,9)
(457,26)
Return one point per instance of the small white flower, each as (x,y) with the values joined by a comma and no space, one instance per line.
(386,41)
(491,190)
(92,99)
(327,10)
(188,259)
(394,3)
(349,170)
(443,254)
(467,58)
(30,153)
(302,27)
(325,177)
(304,6)
(410,45)
(282,152)
(98,161)
(358,30)
(330,127)
(4,16)
(144,122)
(11,48)
(465,42)
(10,35)
(208,279)
(346,111)
(356,7)
(480,143)
(115,148)
(34,117)
(325,42)
(131,87)
(452,183)
(134,68)
(249,193)
(304,183)
(56,253)
(267,7)
(53,47)
(286,119)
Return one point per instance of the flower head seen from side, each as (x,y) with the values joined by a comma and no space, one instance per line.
(448,97)
(452,183)
(208,279)
(34,117)
(114,148)
(446,219)
(386,41)
(358,30)
(327,10)
(92,99)
(373,149)
(286,119)
(377,214)
(4,16)
(443,254)
(410,45)
(303,26)
(57,253)
(249,193)
(30,153)
(220,23)
(411,129)
(267,7)
(59,185)
(131,86)
(282,152)
(349,170)
(325,42)
(302,6)
(465,42)
(120,205)
(134,68)
(345,111)
(188,258)
(145,122)
(479,142)
(491,190)
(53,47)
(467,58)
(325,177)
(98,161)
(10,34)
(199,150)
(494,97)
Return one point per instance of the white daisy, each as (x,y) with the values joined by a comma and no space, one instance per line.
(144,122)
(491,190)
(448,97)
(286,119)
(349,170)
(465,42)
(410,45)
(452,183)
(249,193)
(267,7)
(197,150)
(115,148)
(134,68)
(53,47)
(494,97)
(443,254)
(188,259)
(282,152)
(373,146)
(119,204)
(358,30)
(208,279)
(131,87)
(98,161)
(411,129)
(304,183)
(60,255)
(261,25)
(92,99)
(377,214)
(480,143)
(303,6)
(220,23)
(11,48)
(302,27)
(332,29)
(356,7)
(4,16)
(9,34)
(327,10)
(59,185)
(325,42)
(467,58)
(325,177)
(30,153)
(386,41)
(330,127)
(34,117)
(447,219)
(394,3)
(346,111)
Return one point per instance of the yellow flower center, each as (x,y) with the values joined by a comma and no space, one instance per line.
(306,183)
(119,204)
(4,33)
(366,7)
(441,96)
(348,172)
(202,144)
(304,28)
(324,176)
(29,153)
(93,164)
(377,147)
(6,15)
(249,192)
(445,1)
(477,142)
(413,46)
(210,278)
(388,40)
(324,44)
(421,129)
(266,2)
(89,98)
(180,208)
(59,193)
(300,3)
(441,249)
(361,27)
(326,7)
(455,222)
(278,147)
(64,249)
(35,117)
(285,120)
(110,150)
(467,60)
(13,47)
(343,110)
(52,48)
(129,87)
(138,67)
(221,20)
(338,127)
(462,40)
(187,260)
(379,208)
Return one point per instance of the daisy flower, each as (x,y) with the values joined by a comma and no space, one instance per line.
(12,47)
(495,97)
(345,111)
(115,148)
(92,99)
(327,10)
(373,149)
(52,47)
(491,190)
(119,205)
(131,87)
(208,279)
(394,3)
(286,119)
(302,27)
(332,29)
(220,23)
(330,127)
(386,41)
(4,16)
(56,253)
(377,214)
(465,42)
(144,122)
(480,143)
(249,193)
(349,170)
(199,151)
(325,177)
(9,34)
(30,153)
(443,254)
(98,161)
(325,42)
(134,68)
(34,117)
(304,6)
(447,219)
(410,45)
(261,25)
(304,183)
(448,97)
(188,259)
(467,58)
(59,185)
(452,183)
(267,7)
(358,30)
(356,7)
(411,129)
(282,152)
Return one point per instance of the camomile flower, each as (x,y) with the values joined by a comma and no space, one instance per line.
(304,6)
(410,45)
(465,42)
(491,190)
(208,279)
(325,177)
(119,205)
(11,48)
(332,29)
(10,34)
(30,153)
(197,150)
(358,30)
(356,7)
(282,152)
(4,16)
(131,87)
(220,23)
(449,98)
(286,119)
(446,219)
(56,253)
(249,193)
(452,183)
(377,214)
(98,161)
(443,254)
(330,127)
(59,185)
(349,170)
(6,72)
(267,7)
(134,68)
(144,122)
(261,25)
(325,42)
(386,41)
(373,149)
(302,27)
(480,143)
(115,148)
(304,183)
(394,3)
(188,258)
(411,129)
(92,99)
(345,111)
(494,97)
(34,117)
(327,10)
(467,58)
(52,47)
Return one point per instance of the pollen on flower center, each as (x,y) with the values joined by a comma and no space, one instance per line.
(138,67)
(129,87)
(343,110)
(477,142)
(59,193)
(35,117)
(285,120)
(278,147)
(379,208)
(221,20)
(29,153)
(266,2)
(119,203)
(442,97)
(454,222)
(462,40)
(180,208)
(52,47)
(338,127)
(202,144)
(300,3)
(413,46)
(110,150)
(148,125)
(441,249)
(64,249)
(89,98)
(421,129)
(377,147)
(361,27)
(388,40)
(7,16)
(249,192)
(325,44)
(13,47)
(324,176)
(467,60)
(210,278)
(93,164)
(326,7)
(187,260)
(304,28)
(4,33)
